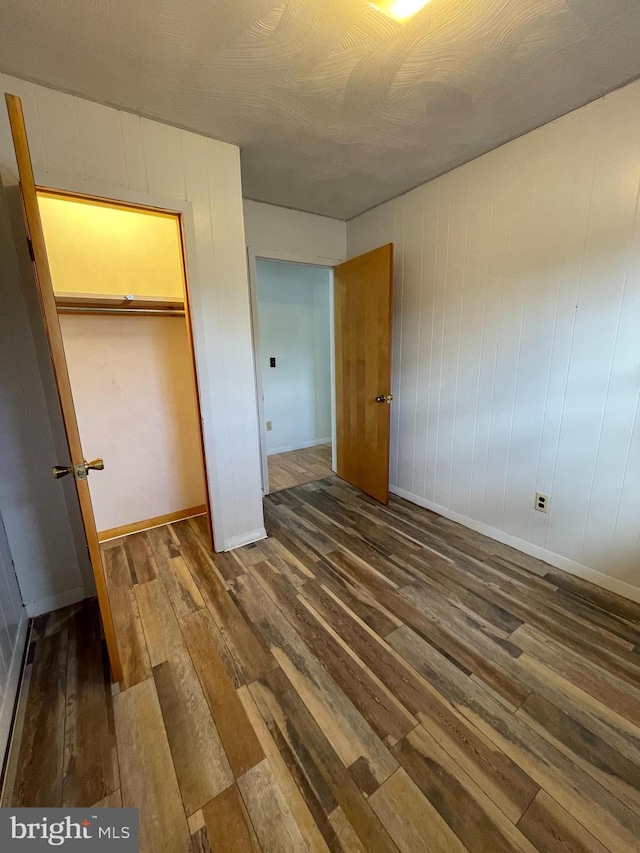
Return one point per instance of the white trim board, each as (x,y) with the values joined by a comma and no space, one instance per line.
(303,446)
(573,568)
(55,602)
(245,539)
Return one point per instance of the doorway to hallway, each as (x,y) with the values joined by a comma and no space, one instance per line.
(297,467)
(294,369)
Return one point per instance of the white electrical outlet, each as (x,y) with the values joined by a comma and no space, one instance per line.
(269,426)
(542,502)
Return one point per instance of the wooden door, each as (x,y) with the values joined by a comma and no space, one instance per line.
(42,276)
(363,292)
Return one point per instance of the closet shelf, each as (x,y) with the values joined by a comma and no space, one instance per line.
(109,303)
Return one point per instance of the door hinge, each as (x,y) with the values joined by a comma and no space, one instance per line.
(31,252)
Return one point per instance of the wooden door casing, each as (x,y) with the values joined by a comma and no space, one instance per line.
(363,294)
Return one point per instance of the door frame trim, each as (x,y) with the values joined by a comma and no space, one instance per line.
(254,255)
(62,183)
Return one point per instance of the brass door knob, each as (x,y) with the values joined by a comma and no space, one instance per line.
(59,471)
(384,398)
(79,471)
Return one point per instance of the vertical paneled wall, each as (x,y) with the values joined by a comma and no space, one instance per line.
(77,144)
(13,625)
(517,340)
(278,232)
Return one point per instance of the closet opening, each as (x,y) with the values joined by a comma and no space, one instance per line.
(121,291)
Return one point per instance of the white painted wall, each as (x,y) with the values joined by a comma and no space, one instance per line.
(136,406)
(82,146)
(516,354)
(294,324)
(280,232)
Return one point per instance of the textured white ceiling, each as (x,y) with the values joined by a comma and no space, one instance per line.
(335,107)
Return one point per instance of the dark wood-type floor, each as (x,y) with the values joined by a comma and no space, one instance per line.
(368,678)
(296,467)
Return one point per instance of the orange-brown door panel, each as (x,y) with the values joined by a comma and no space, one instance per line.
(363,294)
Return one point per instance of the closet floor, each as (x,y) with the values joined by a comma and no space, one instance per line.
(296,467)
(369,678)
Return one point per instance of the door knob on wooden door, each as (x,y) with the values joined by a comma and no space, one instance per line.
(59,471)
(79,471)
(384,398)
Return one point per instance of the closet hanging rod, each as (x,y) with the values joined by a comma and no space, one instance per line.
(113,300)
(149,312)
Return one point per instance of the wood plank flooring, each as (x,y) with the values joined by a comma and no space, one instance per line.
(369,678)
(296,467)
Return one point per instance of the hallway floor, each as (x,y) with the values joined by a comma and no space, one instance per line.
(296,467)
(369,678)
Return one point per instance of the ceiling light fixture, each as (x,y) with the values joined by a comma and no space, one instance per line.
(399,10)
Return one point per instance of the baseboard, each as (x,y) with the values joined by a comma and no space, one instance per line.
(244,539)
(560,562)
(148,523)
(11,687)
(287,447)
(55,602)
